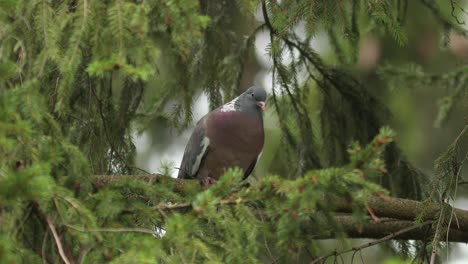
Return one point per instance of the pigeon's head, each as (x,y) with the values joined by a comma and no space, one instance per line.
(253,98)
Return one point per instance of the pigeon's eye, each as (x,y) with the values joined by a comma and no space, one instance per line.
(252,95)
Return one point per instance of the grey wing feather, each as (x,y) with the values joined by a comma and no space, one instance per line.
(195,151)
(251,166)
(250,169)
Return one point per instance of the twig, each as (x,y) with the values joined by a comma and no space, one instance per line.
(43,249)
(452,213)
(57,240)
(360,254)
(432,6)
(244,53)
(299,108)
(371,213)
(283,127)
(436,237)
(112,230)
(373,243)
(460,135)
(270,254)
(170,206)
(452,3)
(352,257)
(83,253)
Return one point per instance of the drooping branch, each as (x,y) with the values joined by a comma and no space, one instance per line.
(395,214)
(393,235)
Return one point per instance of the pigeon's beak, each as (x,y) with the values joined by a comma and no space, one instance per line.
(261,104)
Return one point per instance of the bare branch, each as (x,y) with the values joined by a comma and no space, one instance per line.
(58,242)
(112,230)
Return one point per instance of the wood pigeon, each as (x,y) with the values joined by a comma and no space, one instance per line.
(231,135)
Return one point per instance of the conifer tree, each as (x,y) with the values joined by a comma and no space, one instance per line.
(79,77)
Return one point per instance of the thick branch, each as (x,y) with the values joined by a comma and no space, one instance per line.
(392,229)
(404,209)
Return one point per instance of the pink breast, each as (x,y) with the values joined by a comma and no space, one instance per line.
(236,140)
(236,130)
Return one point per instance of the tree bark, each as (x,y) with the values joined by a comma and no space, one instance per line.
(404,209)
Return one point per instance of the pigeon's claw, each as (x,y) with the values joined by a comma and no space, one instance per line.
(208,181)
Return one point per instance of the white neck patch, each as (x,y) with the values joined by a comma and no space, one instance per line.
(229,107)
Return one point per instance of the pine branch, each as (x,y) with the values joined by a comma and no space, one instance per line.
(403,212)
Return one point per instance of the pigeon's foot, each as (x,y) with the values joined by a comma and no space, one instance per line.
(208,181)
